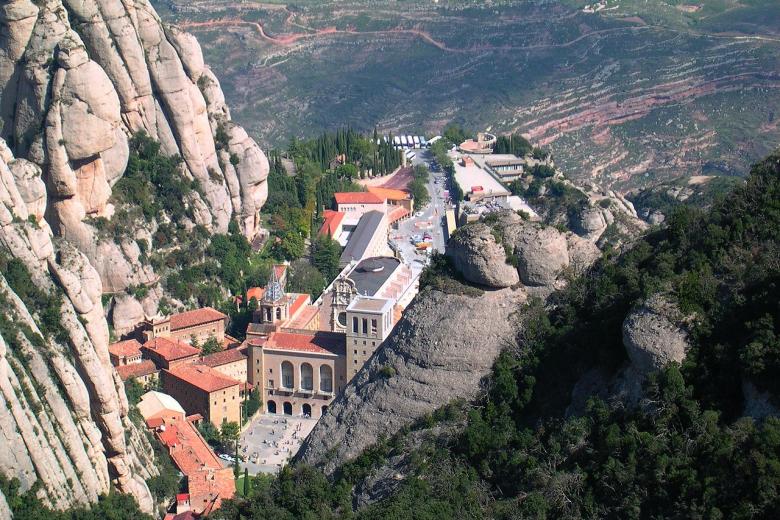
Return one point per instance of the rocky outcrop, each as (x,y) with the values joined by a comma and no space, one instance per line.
(480,259)
(439,351)
(542,254)
(79,78)
(653,336)
(63,406)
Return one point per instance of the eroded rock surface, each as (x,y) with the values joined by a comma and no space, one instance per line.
(652,337)
(439,351)
(480,259)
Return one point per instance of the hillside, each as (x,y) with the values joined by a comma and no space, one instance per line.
(634,94)
(655,373)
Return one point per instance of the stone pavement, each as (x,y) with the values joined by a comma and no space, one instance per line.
(270,440)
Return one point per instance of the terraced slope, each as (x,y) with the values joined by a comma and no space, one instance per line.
(635,93)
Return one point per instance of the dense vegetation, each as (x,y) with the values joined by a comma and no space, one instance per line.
(27,506)
(687,451)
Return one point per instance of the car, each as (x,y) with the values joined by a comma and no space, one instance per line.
(225,456)
(418,214)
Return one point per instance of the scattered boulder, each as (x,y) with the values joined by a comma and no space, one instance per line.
(542,254)
(480,259)
(652,336)
(590,223)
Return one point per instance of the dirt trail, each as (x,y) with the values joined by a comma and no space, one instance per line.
(290,39)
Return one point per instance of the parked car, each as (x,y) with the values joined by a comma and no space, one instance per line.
(225,456)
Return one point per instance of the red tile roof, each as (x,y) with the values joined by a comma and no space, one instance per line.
(229,342)
(144,368)
(332,222)
(154,422)
(224,357)
(208,489)
(397,213)
(280,270)
(188,319)
(332,343)
(170,350)
(202,377)
(357,197)
(388,193)
(187,448)
(303,318)
(299,302)
(255,292)
(182,497)
(125,348)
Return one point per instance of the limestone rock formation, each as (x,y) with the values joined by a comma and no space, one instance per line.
(78,78)
(480,259)
(542,254)
(652,336)
(62,405)
(439,351)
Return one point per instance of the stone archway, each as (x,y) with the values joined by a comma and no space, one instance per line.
(287,408)
(324,409)
(306,409)
(271,407)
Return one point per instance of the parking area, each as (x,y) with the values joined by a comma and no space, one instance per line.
(270,441)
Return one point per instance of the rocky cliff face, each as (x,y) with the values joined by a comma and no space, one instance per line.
(63,408)
(78,79)
(439,351)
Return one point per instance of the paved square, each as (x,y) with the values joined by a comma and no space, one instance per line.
(271,440)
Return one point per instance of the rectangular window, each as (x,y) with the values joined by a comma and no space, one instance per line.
(356,352)
(365,325)
(356,361)
(270,383)
(354,324)
(373,327)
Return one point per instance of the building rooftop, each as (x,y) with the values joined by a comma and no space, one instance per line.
(144,368)
(125,348)
(299,300)
(371,274)
(224,357)
(196,317)
(331,224)
(366,304)
(152,403)
(397,213)
(361,238)
(303,318)
(187,448)
(319,342)
(170,350)
(202,377)
(389,193)
(472,178)
(208,488)
(255,292)
(357,197)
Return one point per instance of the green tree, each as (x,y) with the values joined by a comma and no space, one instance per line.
(305,278)
(210,346)
(325,256)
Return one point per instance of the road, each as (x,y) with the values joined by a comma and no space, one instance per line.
(430,219)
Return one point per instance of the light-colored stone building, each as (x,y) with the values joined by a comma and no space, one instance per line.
(299,373)
(198,324)
(369,322)
(204,390)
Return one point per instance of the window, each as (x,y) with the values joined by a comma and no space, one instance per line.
(326,378)
(356,361)
(354,324)
(373,327)
(287,374)
(364,352)
(307,377)
(356,352)
(270,383)
(365,325)
(270,370)
(278,313)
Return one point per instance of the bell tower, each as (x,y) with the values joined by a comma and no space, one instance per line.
(344,291)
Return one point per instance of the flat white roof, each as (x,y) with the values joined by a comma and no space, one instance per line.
(516,203)
(367,304)
(469,176)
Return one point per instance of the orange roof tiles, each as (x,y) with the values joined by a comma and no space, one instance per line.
(303,318)
(299,302)
(208,488)
(388,193)
(125,348)
(397,213)
(224,357)
(255,292)
(357,197)
(332,221)
(188,319)
(170,350)
(202,377)
(144,368)
(330,343)
(280,270)
(187,448)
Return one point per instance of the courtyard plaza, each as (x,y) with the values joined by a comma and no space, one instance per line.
(271,440)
